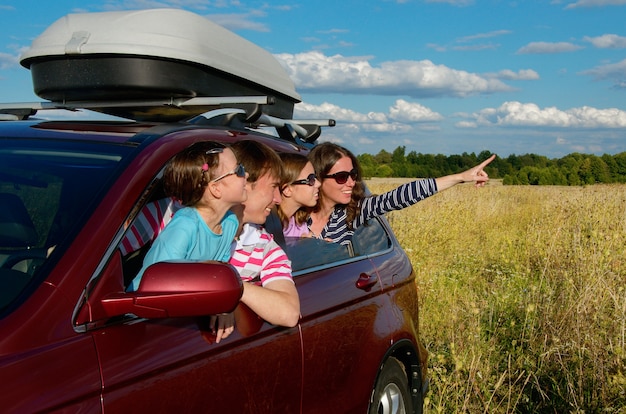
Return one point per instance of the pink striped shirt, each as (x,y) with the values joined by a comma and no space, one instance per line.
(258,258)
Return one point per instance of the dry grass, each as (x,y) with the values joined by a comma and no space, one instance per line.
(523,299)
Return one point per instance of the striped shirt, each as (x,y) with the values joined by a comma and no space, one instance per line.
(148,224)
(258,258)
(337,230)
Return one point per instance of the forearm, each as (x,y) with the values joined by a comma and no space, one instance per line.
(443,183)
(277,303)
(477,175)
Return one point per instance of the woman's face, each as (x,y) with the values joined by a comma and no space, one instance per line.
(303,194)
(335,193)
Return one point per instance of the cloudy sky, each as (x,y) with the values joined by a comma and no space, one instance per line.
(436,76)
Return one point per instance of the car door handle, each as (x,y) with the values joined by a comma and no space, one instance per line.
(365,282)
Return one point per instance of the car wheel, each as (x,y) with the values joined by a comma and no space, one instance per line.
(391,394)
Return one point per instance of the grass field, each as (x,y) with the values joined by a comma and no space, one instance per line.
(523,296)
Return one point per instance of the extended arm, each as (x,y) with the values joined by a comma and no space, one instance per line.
(475,174)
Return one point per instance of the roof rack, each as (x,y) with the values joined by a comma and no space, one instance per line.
(216,111)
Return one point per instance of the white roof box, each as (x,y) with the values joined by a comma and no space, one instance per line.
(152,54)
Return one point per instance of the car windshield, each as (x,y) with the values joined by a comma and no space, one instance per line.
(46,190)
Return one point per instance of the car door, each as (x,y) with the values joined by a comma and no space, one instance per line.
(344,325)
(394,271)
(174,364)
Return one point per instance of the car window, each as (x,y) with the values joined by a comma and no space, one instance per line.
(308,252)
(370,238)
(46,191)
(145,224)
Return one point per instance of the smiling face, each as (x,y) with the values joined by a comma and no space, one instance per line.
(263,195)
(335,193)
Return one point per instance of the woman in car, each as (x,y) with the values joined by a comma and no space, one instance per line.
(300,188)
(343,205)
(207,180)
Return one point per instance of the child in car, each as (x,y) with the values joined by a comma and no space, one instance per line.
(207,180)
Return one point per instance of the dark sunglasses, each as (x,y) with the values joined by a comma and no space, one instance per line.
(239,171)
(342,176)
(309,180)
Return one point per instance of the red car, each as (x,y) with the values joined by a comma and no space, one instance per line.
(75,341)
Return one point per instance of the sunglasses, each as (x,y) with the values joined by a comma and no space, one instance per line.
(342,176)
(309,180)
(239,171)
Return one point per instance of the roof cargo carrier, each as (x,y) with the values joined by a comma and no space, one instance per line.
(155,54)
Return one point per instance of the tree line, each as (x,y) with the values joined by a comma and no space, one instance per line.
(527,169)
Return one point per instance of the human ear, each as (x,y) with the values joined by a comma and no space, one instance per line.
(287,191)
(215,189)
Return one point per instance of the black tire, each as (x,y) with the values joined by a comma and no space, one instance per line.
(391,394)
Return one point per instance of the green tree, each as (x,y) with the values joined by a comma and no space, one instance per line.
(620,160)
(599,170)
(398,155)
(585,172)
(368,164)
(383,157)
(384,171)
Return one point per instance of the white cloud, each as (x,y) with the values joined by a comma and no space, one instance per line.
(561,141)
(332,111)
(548,48)
(317,73)
(466,124)
(607,41)
(595,3)
(404,111)
(531,115)
(389,128)
(401,112)
(614,72)
(522,74)
(486,35)
(403,118)
(8,61)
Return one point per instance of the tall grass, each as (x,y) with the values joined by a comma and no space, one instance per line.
(523,296)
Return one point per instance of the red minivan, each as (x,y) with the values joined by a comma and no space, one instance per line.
(71,191)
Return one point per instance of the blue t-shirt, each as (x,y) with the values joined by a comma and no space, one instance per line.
(187,237)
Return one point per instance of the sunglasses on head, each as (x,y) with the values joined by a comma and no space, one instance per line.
(216,150)
(341,177)
(309,180)
(239,171)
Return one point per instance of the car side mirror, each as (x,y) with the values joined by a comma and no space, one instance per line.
(179,289)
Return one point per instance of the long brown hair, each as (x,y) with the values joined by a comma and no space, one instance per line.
(293,164)
(323,157)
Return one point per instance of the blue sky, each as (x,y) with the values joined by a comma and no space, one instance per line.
(435,76)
